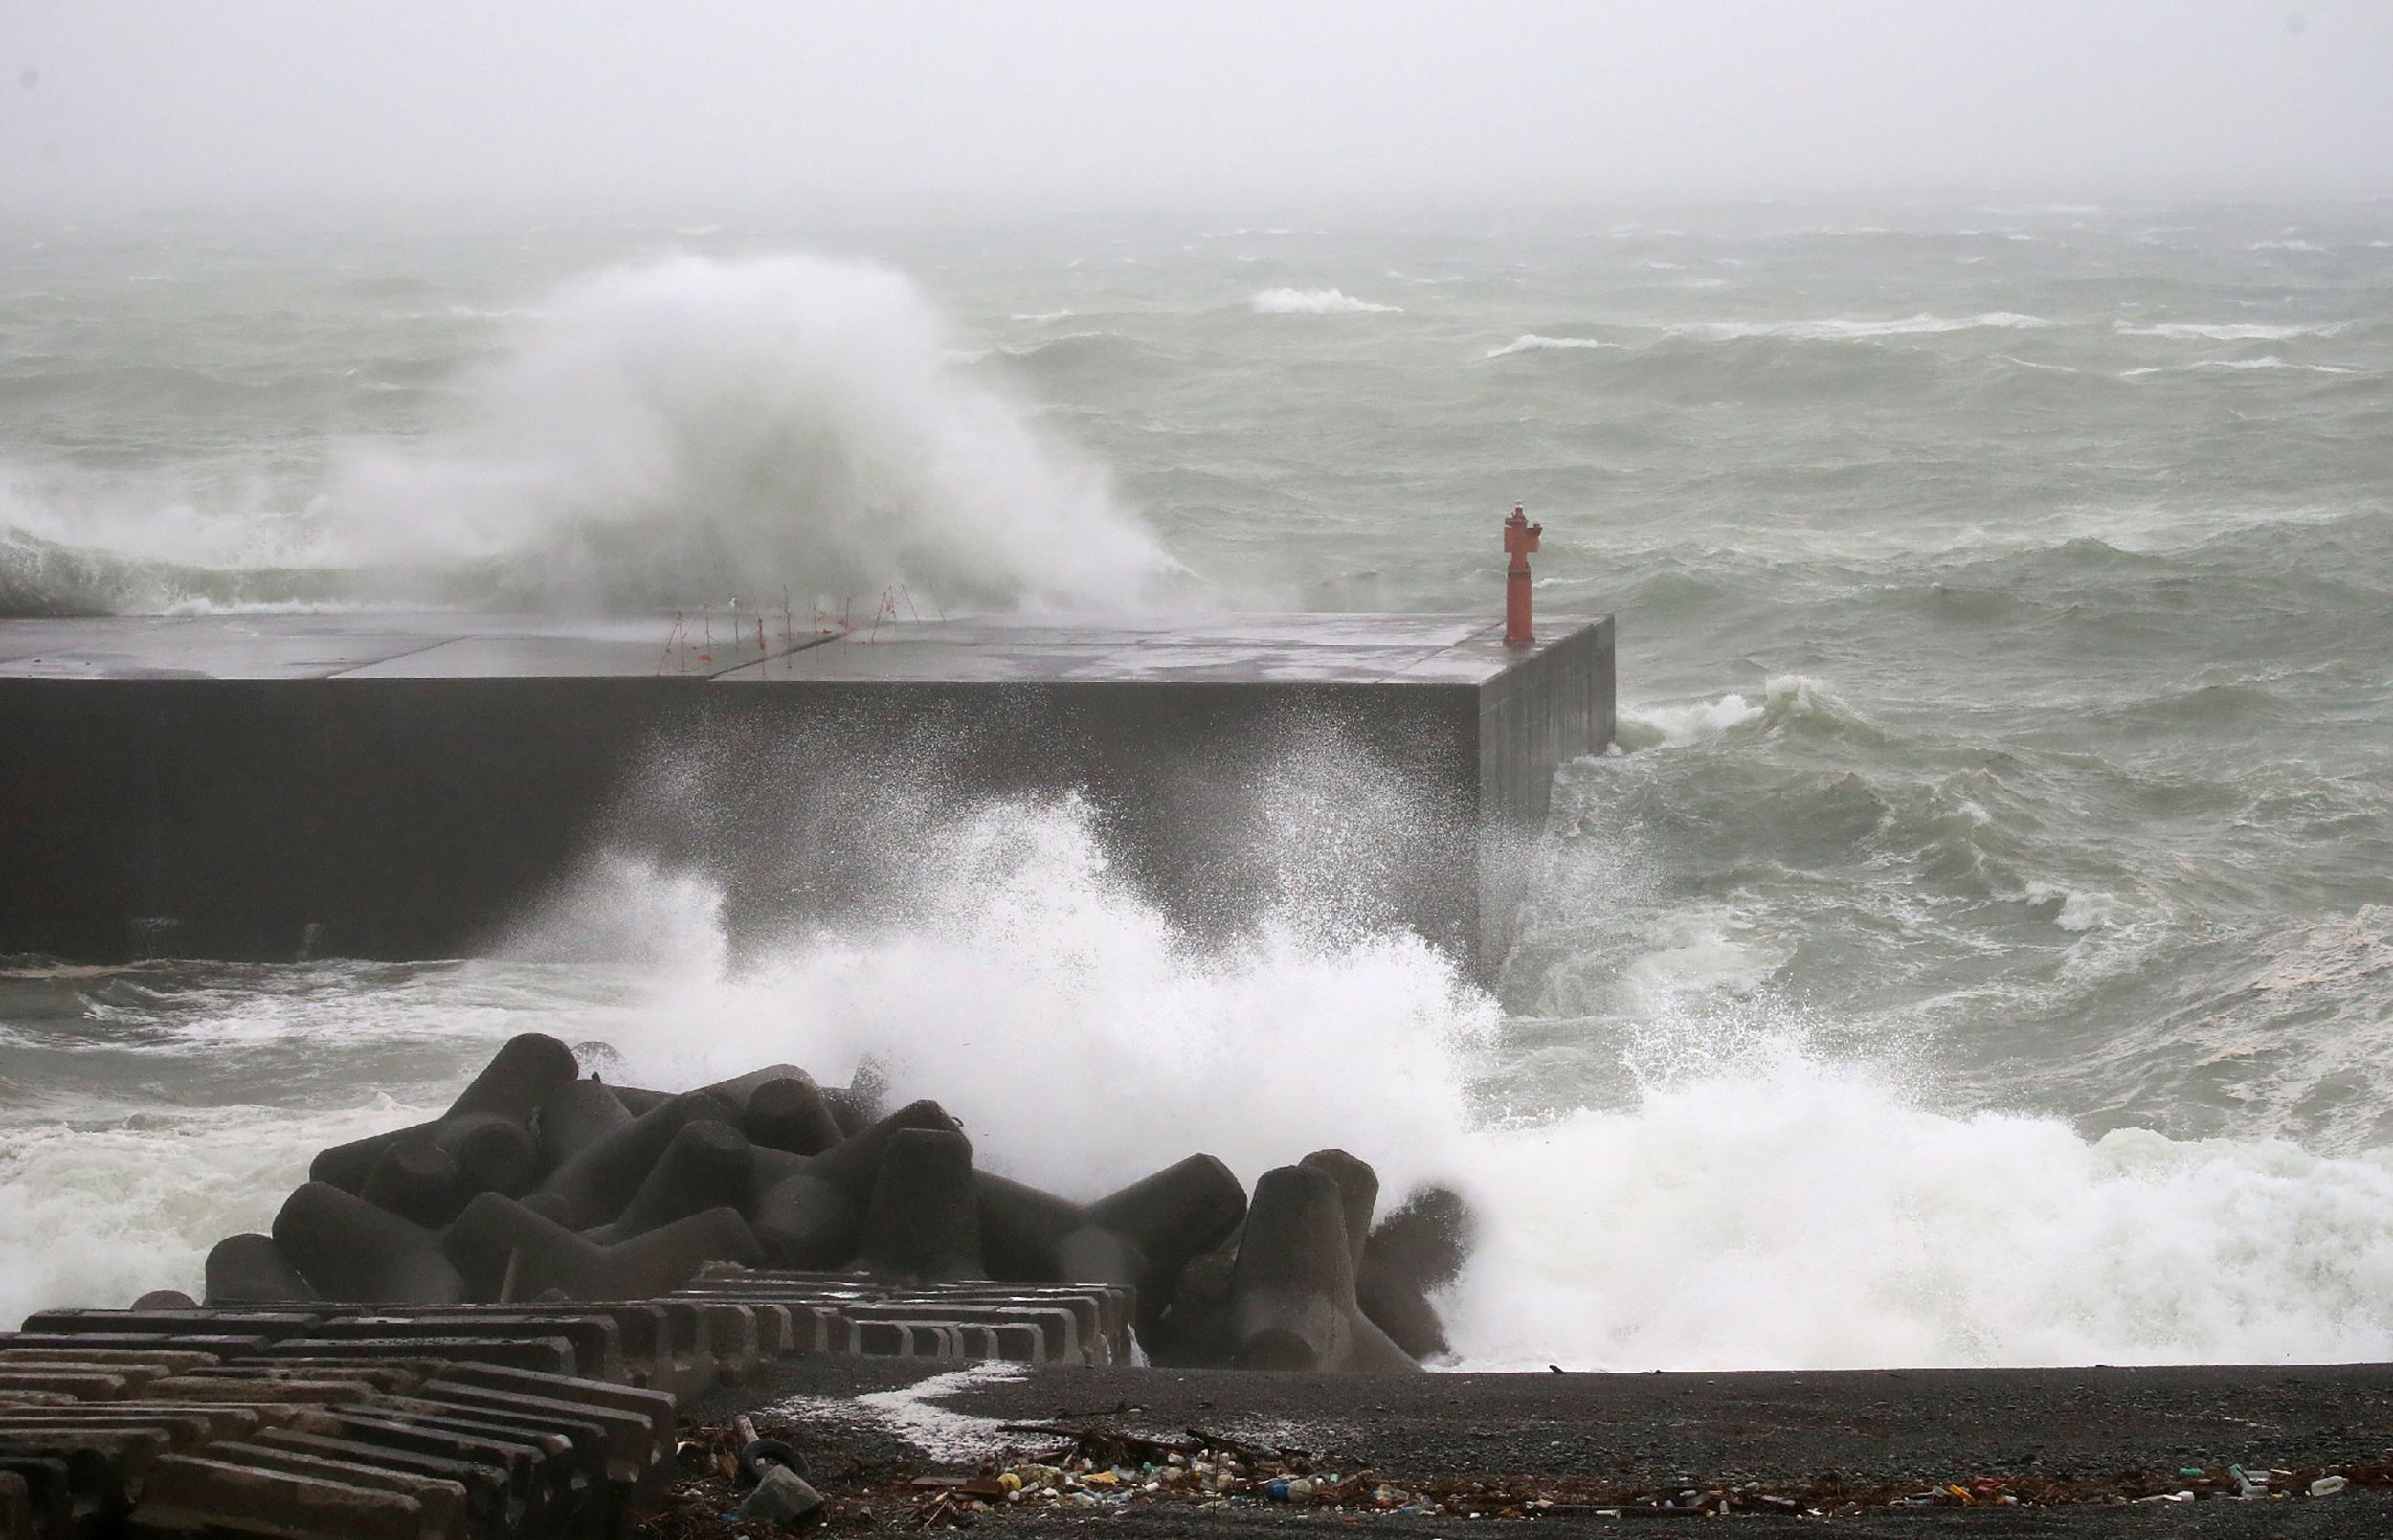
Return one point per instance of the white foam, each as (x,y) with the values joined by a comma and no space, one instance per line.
(1532,342)
(104,1207)
(2271,361)
(1840,329)
(911,1412)
(1646,727)
(696,429)
(1078,1033)
(1749,1202)
(2077,911)
(2231,332)
(1315,302)
(1752,1205)
(1798,1214)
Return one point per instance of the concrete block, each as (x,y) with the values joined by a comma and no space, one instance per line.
(519,1077)
(315,1388)
(923,1221)
(83,1382)
(573,1448)
(1358,1196)
(790,1113)
(706,1164)
(631,1441)
(251,1269)
(740,1088)
(189,1496)
(527,1487)
(549,1355)
(493,1153)
(495,1236)
(596,1341)
(1291,1301)
(813,1215)
(655,1408)
(487,1495)
(226,1326)
(446,1514)
(1418,1248)
(576,1116)
(418,1180)
(597,1184)
(49,1497)
(348,1249)
(164,1360)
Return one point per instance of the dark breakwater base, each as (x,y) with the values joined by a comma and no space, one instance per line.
(400,786)
(2100,1436)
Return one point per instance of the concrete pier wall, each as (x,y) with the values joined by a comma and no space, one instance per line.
(402,786)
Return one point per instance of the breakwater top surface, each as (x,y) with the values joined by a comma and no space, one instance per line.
(1976,955)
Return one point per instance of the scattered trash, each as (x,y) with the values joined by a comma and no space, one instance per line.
(784,1500)
(1098,1470)
(758,1456)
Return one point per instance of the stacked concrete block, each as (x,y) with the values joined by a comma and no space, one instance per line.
(172,1439)
(539,1185)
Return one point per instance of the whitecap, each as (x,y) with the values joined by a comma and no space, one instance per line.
(1314,302)
(2272,361)
(1842,329)
(1532,342)
(2231,332)
(1648,726)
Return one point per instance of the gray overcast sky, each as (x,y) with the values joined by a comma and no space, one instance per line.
(1218,100)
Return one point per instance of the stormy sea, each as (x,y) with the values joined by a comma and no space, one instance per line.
(1977,948)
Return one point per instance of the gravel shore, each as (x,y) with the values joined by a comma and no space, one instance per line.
(1174,1452)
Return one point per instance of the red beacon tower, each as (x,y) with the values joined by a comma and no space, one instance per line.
(1520,537)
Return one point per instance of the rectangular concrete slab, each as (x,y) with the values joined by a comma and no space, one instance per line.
(1313,649)
(403,784)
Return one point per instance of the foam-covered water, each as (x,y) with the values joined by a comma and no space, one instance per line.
(1981,950)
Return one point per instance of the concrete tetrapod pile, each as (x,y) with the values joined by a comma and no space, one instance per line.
(540,1184)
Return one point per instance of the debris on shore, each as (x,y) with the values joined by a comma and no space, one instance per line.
(1098,1467)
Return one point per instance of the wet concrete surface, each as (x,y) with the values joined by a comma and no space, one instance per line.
(758,647)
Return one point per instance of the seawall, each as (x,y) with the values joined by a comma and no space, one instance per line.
(398,785)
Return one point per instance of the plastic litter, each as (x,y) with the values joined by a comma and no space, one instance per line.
(2328,1485)
(784,1500)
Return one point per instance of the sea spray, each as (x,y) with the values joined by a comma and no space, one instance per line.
(696,429)
(1750,1202)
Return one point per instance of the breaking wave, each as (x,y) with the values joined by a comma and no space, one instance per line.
(1846,330)
(2231,332)
(1315,302)
(708,428)
(1746,1198)
(2271,361)
(1532,342)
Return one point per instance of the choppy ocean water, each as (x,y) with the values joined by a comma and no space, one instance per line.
(1980,951)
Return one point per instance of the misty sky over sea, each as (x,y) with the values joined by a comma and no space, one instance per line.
(106,101)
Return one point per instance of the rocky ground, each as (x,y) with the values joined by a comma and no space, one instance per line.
(1166,1452)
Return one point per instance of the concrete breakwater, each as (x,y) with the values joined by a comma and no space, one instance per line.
(540,1184)
(390,784)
